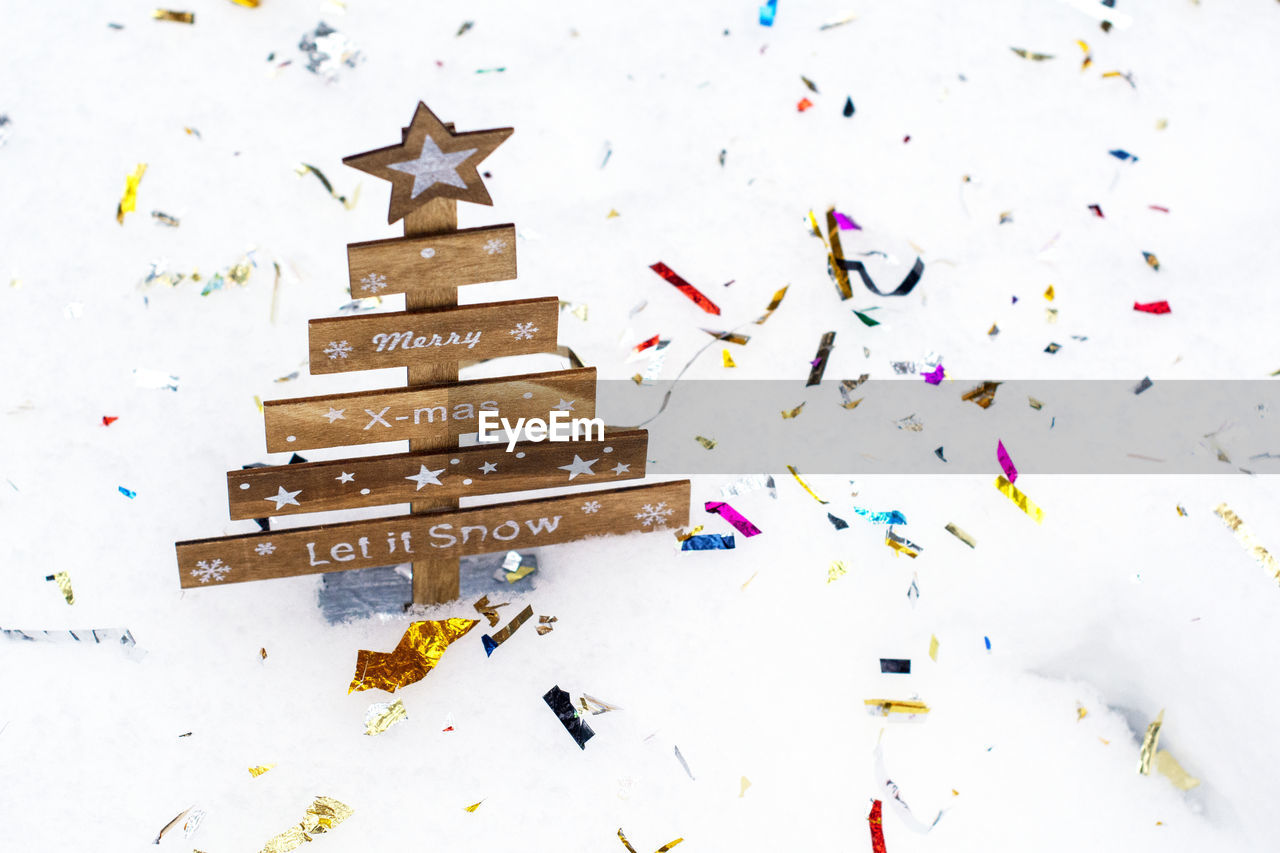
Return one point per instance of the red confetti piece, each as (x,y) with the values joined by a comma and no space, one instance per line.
(685,287)
(1161,307)
(107,420)
(1097,211)
(804,104)
(877,828)
(1159,208)
(906,139)
(644,345)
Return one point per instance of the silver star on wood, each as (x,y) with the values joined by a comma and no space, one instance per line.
(434,166)
(564,405)
(621,468)
(578,466)
(334,414)
(345,478)
(282,498)
(425,476)
(488,468)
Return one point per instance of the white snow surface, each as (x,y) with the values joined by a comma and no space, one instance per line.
(1115,603)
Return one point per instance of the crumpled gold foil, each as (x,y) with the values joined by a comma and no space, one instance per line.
(322,815)
(885,707)
(961,535)
(63,580)
(418,651)
(1245,538)
(489,611)
(1150,742)
(383,715)
(129,201)
(1023,502)
(775,302)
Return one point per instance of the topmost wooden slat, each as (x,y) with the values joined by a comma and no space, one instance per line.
(423,264)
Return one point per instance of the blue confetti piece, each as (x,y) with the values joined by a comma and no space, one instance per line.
(489,644)
(987,640)
(837,522)
(128,493)
(1121,154)
(768,12)
(708,542)
(890,517)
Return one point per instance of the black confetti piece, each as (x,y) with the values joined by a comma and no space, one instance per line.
(559,702)
(908,283)
(899,666)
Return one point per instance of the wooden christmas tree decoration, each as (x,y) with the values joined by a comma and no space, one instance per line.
(430,170)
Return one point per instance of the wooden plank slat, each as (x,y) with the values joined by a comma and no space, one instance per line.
(437,476)
(427,262)
(447,533)
(417,338)
(424,413)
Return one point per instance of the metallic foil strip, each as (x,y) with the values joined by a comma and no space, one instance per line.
(327,50)
(1034,57)
(750,483)
(63,580)
(1006,462)
(489,611)
(893,795)
(685,287)
(322,815)
(416,654)
(835,258)
(773,305)
(258,769)
(171,824)
(596,706)
(885,707)
(933,647)
(788,414)
(708,443)
(731,337)
(837,522)
(847,387)
(491,643)
(176,17)
(684,763)
(129,201)
(908,283)
(983,395)
(1246,539)
(472,808)
(543,630)
(681,535)
(165,219)
(562,706)
(1169,767)
(248,4)
(836,570)
(961,535)
(731,515)
(1020,500)
(666,847)
(814,229)
(1150,742)
(882,517)
(383,715)
(820,361)
(625,842)
(901,544)
(804,485)
(304,168)
(895,666)
(708,542)
(876,821)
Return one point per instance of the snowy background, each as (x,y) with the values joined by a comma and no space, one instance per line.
(1116,604)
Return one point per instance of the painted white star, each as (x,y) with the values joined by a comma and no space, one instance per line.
(345,478)
(434,166)
(488,468)
(621,468)
(564,406)
(578,466)
(282,498)
(335,414)
(424,476)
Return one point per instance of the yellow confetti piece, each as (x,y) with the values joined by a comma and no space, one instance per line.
(63,580)
(708,443)
(383,715)
(1169,767)
(813,226)
(896,706)
(521,572)
(258,769)
(933,647)
(1182,512)
(1051,315)
(749,580)
(663,849)
(257,401)
(1034,403)
(788,414)
(1246,540)
(993,331)
(803,484)
(1023,502)
(176,17)
(961,535)
(1162,123)
(1081,712)
(835,570)
(1150,741)
(745,784)
(248,4)
(1048,294)
(681,535)
(777,296)
(129,201)
(580,311)
(473,807)
(613,214)
(417,653)
(728,359)
(322,816)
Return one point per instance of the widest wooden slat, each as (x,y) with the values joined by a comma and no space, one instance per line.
(449,532)
(417,338)
(460,472)
(430,412)
(406,264)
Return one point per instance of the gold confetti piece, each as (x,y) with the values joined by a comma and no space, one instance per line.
(248,4)
(473,807)
(835,256)
(580,311)
(1182,512)
(595,706)
(1150,742)
(523,571)
(728,359)
(258,769)
(383,715)
(983,395)
(171,824)
(322,816)
(1034,403)
(681,535)
(1034,57)
(263,652)
(804,485)
(544,630)
(708,443)
(176,17)
(745,784)
(613,214)
(663,849)
(813,226)
(835,570)
(129,201)
(788,414)
(63,580)
(885,707)
(1048,294)
(1169,767)
(1051,315)
(1023,502)
(961,535)
(417,653)
(731,337)
(1246,540)
(900,545)
(304,168)
(852,404)
(1088,57)
(1081,712)
(993,331)
(1162,123)
(487,610)
(257,401)
(933,647)
(500,637)
(1105,742)
(546,620)
(777,296)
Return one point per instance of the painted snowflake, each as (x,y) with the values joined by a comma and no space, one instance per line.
(373,282)
(523,331)
(265,548)
(495,246)
(654,515)
(337,349)
(207,570)
(591,506)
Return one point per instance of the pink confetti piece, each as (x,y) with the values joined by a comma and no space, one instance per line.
(934,377)
(1161,307)
(1010,472)
(731,515)
(845,223)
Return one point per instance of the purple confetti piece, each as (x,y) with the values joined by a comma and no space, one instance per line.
(1006,463)
(934,377)
(732,516)
(845,223)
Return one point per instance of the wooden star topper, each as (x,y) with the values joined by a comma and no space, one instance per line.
(431,162)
